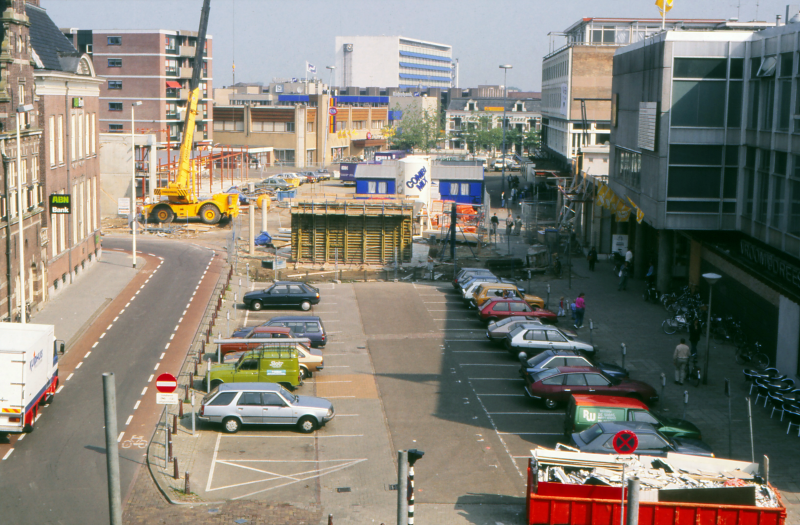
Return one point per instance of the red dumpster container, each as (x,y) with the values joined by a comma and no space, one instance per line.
(559,504)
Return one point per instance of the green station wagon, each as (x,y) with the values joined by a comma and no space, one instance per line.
(274,364)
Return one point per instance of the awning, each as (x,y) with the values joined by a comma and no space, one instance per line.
(365,143)
(173,84)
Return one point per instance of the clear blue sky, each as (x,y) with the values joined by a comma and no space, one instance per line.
(274,38)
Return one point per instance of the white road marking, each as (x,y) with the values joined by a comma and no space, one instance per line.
(213,463)
(142,286)
(87,354)
(122,311)
(143,391)
(531,433)
(171,337)
(495,379)
(150,379)
(184,313)
(115,319)
(128,422)
(109,326)
(8,454)
(95,344)
(339,397)
(21,437)
(181,320)
(79,365)
(527,413)
(156,367)
(120,436)
(137,404)
(59,389)
(338,366)
(176,327)
(102,335)
(167,347)
(151,254)
(501,395)
(127,304)
(486,364)
(70,376)
(137,292)
(188,305)
(162,355)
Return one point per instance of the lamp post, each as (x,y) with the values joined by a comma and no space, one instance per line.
(22,304)
(711,278)
(328,116)
(133,181)
(505,68)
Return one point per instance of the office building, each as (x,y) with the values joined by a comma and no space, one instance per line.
(705,141)
(154,67)
(392,61)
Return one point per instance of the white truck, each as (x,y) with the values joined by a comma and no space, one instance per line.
(28,373)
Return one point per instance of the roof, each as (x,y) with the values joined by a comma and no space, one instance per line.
(261,387)
(270,330)
(445,172)
(608,401)
(387,170)
(532,105)
(54,50)
(700,21)
(610,427)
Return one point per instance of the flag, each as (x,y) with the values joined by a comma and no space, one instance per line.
(311,68)
(639,212)
(662,4)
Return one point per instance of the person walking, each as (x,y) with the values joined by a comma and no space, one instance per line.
(495,221)
(580,310)
(651,275)
(518,226)
(513,194)
(680,358)
(623,277)
(503,200)
(695,331)
(592,258)
(509,224)
(629,260)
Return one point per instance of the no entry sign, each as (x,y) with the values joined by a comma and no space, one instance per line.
(166,383)
(625,442)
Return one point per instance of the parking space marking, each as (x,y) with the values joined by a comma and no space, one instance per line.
(487,364)
(150,379)
(87,354)
(501,395)
(531,434)
(128,422)
(59,389)
(294,436)
(495,379)
(8,454)
(70,376)
(527,413)
(475,351)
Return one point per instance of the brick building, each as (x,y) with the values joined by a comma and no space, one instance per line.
(152,66)
(68,104)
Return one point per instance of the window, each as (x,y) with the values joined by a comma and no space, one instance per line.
(115,84)
(698,104)
(519,307)
(115,106)
(295,289)
(556,337)
(627,168)
(171,66)
(464,188)
(763,197)
(595,379)
(780,163)
(735,104)
(359,124)
(777,201)
(372,186)
(72,140)
(115,128)
(603,35)
(378,124)
(553,381)
(750,188)
(79,138)
(52,125)
(309,127)
(705,68)
(272,399)
(94,131)
(170,44)
(652,442)
(768,99)
(752,116)
(784,101)
(382,187)
(737,69)
(575,380)
(114,62)
(536,335)
(692,155)
(500,307)
(693,182)
(223,399)
(312,328)
(453,188)
(794,217)
(115,40)
(289,127)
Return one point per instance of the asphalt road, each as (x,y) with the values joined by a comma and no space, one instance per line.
(57,473)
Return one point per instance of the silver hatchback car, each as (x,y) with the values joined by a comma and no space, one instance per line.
(237,404)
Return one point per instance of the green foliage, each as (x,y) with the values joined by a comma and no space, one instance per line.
(418,130)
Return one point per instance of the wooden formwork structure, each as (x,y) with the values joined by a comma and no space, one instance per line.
(352,232)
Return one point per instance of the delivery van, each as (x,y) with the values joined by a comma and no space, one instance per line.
(271,363)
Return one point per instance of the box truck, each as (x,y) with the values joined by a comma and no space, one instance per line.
(28,373)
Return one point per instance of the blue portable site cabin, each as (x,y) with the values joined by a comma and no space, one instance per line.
(396,154)
(347,172)
(376,180)
(461,184)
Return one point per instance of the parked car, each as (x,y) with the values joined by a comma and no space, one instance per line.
(292,178)
(310,359)
(273,364)
(467,273)
(553,386)
(496,331)
(497,309)
(323,174)
(536,339)
(309,176)
(303,326)
(468,287)
(584,411)
(598,439)
(488,291)
(234,405)
(254,337)
(275,184)
(557,358)
(283,293)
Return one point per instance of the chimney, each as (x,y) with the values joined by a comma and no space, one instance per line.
(777,20)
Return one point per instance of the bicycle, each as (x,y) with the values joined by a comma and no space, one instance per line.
(752,356)
(693,372)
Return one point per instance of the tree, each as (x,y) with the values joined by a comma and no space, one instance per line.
(419,129)
(532,140)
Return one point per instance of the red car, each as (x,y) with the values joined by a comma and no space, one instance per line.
(255,338)
(554,386)
(501,308)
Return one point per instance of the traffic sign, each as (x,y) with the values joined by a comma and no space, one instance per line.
(625,442)
(333,111)
(369,135)
(166,383)
(167,399)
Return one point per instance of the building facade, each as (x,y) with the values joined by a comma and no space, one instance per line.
(576,85)
(153,67)
(465,116)
(705,140)
(393,61)
(68,106)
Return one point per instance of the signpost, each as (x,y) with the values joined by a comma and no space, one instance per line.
(166,384)
(624,442)
(333,111)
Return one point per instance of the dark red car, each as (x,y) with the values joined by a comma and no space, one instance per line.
(496,309)
(554,386)
(255,338)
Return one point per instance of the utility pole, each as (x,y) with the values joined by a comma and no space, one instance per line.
(505,68)
(112,452)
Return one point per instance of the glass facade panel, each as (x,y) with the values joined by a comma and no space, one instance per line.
(706,68)
(694,182)
(794,217)
(752,115)
(698,104)
(693,206)
(628,167)
(763,197)
(729,183)
(735,104)
(784,104)
(750,181)
(737,69)
(780,162)
(695,155)
(777,202)
(769,103)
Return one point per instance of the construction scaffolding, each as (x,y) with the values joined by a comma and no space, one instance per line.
(352,232)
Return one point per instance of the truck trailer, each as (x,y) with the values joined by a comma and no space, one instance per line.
(28,373)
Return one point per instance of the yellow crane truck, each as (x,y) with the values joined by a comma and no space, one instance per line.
(180,201)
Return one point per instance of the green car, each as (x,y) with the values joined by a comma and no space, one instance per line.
(583,411)
(274,364)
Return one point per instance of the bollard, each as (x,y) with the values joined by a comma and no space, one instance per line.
(176,474)
(685,402)
(192,415)
(191,377)
(196,362)
(633,501)
(624,352)
(591,332)
(765,469)
(330,519)
(187,489)
(169,445)
(663,385)
(186,391)
(180,409)
(208,376)
(175,423)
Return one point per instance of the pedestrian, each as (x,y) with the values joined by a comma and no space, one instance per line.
(694,335)
(680,358)
(572,309)
(561,312)
(495,221)
(513,194)
(651,275)
(623,277)
(580,310)
(518,225)
(503,200)
(629,260)
(509,224)
(592,258)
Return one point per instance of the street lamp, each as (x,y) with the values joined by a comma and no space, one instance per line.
(133,182)
(711,278)
(22,304)
(505,68)
(327,117)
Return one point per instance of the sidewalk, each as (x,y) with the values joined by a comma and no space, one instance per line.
(75,308)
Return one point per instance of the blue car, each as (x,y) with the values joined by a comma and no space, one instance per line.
(557,358)
(303,326)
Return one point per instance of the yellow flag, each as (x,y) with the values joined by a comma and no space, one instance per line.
(662,4)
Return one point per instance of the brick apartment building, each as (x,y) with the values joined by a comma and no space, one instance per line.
(68,105)
(152,66)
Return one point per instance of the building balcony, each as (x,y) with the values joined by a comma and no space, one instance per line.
(186,51)
(185,72)
(172,72)
(173,116)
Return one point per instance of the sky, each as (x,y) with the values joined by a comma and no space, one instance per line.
(274,38)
